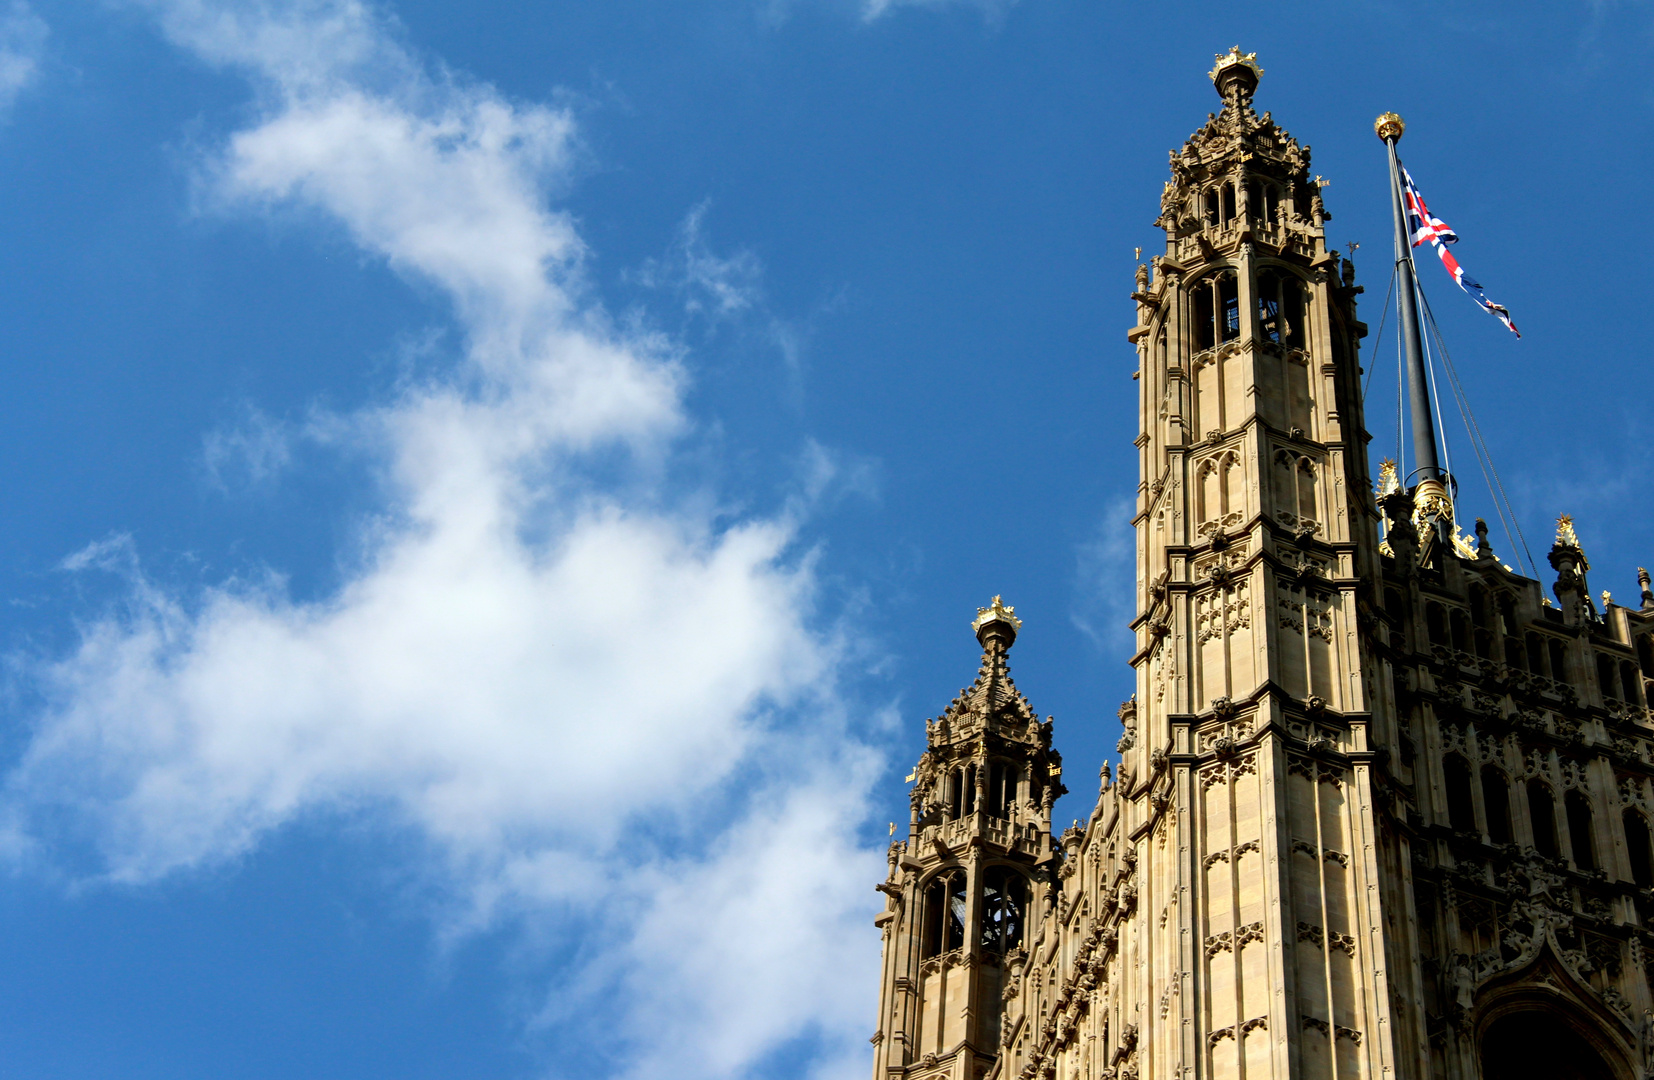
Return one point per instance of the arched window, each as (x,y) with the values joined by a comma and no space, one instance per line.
(1211,208)
(1002,789)
(1559,661)
(1645,655)
(969,788)
(1579,830)
(1542,815)
(1281,308)
(1638,848)
(1461,630)
(1228,202)
(1216,310)
(944,913)
(1461,809)
(1435,623)
(1628,681)
(1605,676)
(1004,908)
(1536,654)
(1496,802)
(1537,1042)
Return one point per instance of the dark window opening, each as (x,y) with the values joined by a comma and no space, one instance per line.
(1579,830)
(1203,325)
(1537,1043)
(1628,681)
(1638,848)
(1228,202)
(1435,623)
(1605,675)
(1004,908)
(1002,789)
(944,914)
(1507,614)
(1461,630)
(1496,801)
(1542,814)
(1484,644)
(1211,208)
(1536,654)
(970,790)
(1229,305)
(1461,809)
(1645,655)
(1559,661)
(1478,607)
(1281,308)
(1514,655)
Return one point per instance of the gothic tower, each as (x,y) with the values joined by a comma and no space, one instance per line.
(959,889)
(1382,810)
(1244,774)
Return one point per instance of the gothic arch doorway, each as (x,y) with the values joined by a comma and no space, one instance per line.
(1540,1043)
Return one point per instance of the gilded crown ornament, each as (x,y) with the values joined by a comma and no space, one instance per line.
(996,612)
(1565,534)
(1389,127)
(1231,58)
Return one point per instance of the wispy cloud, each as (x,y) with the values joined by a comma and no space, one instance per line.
(583,696)
(1106,571)
(992,9)
(22,45)
(710,285)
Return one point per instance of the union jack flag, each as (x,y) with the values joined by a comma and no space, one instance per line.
(1425,226)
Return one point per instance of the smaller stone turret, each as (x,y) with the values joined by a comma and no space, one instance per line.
(977,864)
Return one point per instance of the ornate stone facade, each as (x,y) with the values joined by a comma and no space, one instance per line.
(1382,808)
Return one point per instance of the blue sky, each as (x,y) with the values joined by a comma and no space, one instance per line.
(491,491)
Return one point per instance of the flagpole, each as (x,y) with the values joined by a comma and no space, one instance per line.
(1431,496)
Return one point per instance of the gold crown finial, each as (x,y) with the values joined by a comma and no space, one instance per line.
(996,612)
(1388,480)
(1229,59)
(1565,534)
(1389,127)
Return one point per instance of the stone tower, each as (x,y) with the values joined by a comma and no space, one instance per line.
(959,895)
(1382,808)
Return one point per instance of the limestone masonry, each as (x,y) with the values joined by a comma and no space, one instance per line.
(1382,806)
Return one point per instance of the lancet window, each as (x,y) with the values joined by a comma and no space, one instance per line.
(1281,308)
(944,913)
(1002,789)
(1264,201)
(1216,310)
(1542,816)
(1461,807)
(1639,849)
(1579,830)
(1004,908)
(1496,802)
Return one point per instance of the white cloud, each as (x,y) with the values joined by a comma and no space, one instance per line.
(711,285)
(1105,564)
(22,44)
(578,694)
